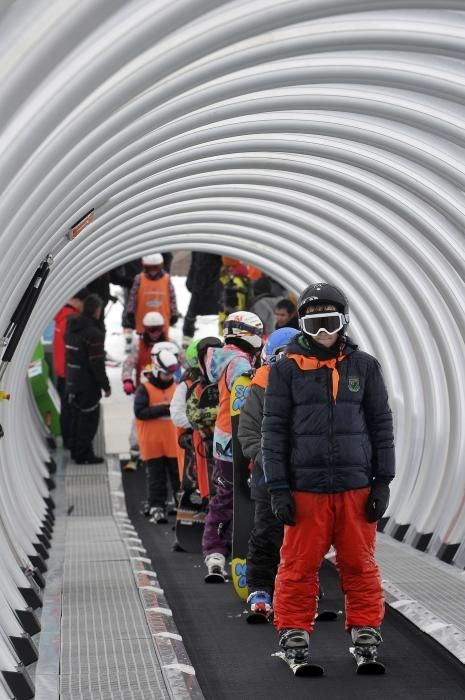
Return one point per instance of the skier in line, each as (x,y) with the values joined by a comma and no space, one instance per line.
(242,331)
(328,458)
(201,412)
(152,290)
(156,433)
(138,358)
(267,535)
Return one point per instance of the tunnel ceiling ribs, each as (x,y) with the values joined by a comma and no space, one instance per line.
(317,139)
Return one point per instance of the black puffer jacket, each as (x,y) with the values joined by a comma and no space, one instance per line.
(85,359)
(310,442)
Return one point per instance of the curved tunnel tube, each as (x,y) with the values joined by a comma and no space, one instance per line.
(313,138)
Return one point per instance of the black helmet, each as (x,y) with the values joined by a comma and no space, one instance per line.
(324,293)
(202,347)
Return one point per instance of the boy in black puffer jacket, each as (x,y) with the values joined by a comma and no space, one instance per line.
(86,377)
(328,457)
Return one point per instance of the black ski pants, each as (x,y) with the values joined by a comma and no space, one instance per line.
(157,472)
(85,422)
(66,413)
(265,542)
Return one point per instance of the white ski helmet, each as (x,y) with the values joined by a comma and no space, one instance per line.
(153,319)
(164,361)
(154,259)
(169,345)
(244,325)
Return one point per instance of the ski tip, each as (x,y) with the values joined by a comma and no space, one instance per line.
(371,668)
(302,670)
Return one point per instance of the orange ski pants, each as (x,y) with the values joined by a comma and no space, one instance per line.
(322,520)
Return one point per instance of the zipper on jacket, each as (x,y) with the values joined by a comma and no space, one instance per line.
(331,431)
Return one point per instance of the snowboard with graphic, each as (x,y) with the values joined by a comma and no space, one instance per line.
(243,507)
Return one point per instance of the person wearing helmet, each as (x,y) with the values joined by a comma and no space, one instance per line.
(152,290)
(242,332)
(139,357)
(156,433)
(267,533)
(178,404)
(201,412)
(173,347)
(133,365)
(328,459)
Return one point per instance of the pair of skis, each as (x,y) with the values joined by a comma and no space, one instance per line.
(365,659)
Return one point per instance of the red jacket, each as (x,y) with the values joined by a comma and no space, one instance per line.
(59,338)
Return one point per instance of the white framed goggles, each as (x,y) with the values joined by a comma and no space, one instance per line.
(330,322)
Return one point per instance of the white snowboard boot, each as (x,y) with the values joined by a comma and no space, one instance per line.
(215,564)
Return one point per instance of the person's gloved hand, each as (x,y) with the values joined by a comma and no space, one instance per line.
(185,440)
(378,501)
(283,507)
(128,386)
(174,319)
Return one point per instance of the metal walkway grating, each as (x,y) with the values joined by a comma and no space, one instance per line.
(107,650)
(427,591)
(88,495)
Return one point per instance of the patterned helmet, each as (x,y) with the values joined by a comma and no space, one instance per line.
(244,325)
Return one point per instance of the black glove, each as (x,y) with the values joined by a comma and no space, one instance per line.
(185,440)
(378,501)
(129,319)
(174,319)
(282,505)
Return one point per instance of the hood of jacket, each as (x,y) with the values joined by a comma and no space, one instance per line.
(217,360)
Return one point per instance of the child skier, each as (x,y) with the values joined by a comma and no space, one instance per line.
(328,458)
(152,290)
(134,363)
(157,435)
(267,535)
(242,331)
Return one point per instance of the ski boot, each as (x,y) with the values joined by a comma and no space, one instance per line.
(294,645)
(260,608)
(158,515)
(365,650)
(215,564)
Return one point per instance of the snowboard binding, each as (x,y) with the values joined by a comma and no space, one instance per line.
(261,610)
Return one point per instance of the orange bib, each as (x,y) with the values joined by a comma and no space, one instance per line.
(153,295)
(157,436)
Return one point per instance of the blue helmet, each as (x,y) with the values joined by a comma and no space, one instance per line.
(276,343)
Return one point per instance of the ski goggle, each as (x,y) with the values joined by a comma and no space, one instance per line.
(153,329)
(330,323)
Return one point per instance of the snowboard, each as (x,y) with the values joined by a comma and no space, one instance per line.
(191,510)
(367,663)
(243,506)
(304,668)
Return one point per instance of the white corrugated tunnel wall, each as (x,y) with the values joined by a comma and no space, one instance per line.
(316,139)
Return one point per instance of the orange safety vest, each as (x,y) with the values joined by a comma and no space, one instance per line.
(144,358)
(153,295)
(157,436)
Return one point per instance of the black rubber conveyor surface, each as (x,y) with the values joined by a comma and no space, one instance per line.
(233,659)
